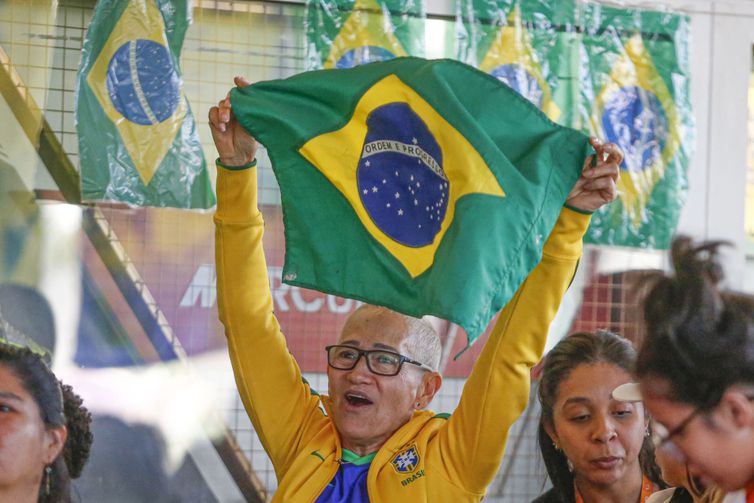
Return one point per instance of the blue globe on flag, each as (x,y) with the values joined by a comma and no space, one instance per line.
(516,77)
(143,83)
(400,176)
(634,118)
(363,55)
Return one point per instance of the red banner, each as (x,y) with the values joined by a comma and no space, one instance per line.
(174,253)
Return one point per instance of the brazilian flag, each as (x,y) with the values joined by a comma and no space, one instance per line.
(137,136)
(619,74)
(636,94)
(346,33)
(425,186)
(517,42)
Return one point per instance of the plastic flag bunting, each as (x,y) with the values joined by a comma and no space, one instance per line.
(511,59)
(517,42)
(619,74)
(363,39)
(137,137)
(635,92)
(344,33)
(636,111)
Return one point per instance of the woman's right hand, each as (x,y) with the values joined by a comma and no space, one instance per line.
(235,146)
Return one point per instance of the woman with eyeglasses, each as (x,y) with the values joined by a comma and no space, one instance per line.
(684,487)
(596,449)
(377,442)
(696,369)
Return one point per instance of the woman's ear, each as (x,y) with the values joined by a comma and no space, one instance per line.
(430,385)
(55,440)
(736,409)
(552,434)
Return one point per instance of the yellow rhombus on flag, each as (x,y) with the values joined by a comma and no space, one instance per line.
(147,141)
(339,155)
(511,59)
(365,37)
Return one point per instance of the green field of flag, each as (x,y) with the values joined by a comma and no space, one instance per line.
(401,188)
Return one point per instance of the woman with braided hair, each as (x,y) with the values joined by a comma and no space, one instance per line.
(44,429)
(696,369)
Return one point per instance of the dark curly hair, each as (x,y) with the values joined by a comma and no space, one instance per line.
(699,338)
(58,406)
(571,352)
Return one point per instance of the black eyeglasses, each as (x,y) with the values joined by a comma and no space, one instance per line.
(663,439)
(379,361)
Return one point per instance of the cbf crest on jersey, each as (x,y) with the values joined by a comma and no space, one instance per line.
(402,188)
(406,460)
(636,110)
(137,137)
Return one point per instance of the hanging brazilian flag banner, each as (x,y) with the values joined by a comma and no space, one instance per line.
(137,136)
(619,74)
(346,33)
(518,43)
(636,94)
(401,188)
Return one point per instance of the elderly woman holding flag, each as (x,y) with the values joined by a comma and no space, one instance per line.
(370,438)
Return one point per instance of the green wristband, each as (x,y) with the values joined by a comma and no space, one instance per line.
(578,210)
(237,168)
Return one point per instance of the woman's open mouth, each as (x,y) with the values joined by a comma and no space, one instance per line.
(357,400)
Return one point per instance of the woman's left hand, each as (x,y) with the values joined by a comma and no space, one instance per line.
(598,184)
